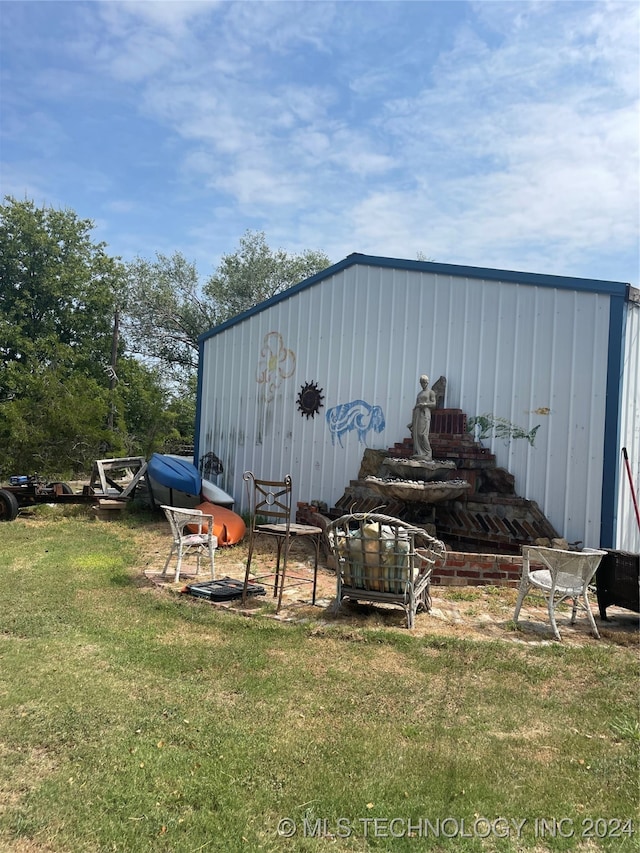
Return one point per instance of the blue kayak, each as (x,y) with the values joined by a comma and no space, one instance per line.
(176,474)
(174,480)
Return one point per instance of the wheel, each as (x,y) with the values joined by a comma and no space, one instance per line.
(8,505)
(66,488)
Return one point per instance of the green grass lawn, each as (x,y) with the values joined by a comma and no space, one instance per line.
(136,720)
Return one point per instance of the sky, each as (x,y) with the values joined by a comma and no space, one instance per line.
(491,134)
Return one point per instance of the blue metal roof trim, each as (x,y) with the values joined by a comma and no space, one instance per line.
(285,294)
(612,450)
(617,288)
(613,288)
(196,437)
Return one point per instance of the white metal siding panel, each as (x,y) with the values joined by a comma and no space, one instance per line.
(627,533)
(510,351)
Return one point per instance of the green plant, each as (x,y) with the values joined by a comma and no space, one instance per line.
(626,728)
(462,594)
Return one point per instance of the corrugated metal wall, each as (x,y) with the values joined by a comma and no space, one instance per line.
(531,360)
(628,534)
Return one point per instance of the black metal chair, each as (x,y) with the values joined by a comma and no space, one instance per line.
(270,510)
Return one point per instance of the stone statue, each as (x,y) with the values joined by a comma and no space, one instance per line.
(420,479)
(421,421)
(440,389)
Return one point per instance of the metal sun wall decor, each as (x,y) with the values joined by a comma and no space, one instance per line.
(310,399)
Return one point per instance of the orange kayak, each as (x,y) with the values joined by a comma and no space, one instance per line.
(228,526)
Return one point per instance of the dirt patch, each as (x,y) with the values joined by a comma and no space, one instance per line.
(476,612)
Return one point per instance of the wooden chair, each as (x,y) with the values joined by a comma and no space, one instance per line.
(380,558)
(270,510)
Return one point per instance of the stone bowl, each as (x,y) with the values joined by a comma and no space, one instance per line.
(419,492)
(418,469)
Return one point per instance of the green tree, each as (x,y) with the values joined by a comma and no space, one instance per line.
(69,393)
(166,312)
(167,309)
(58,290)
(254,272)
(182,411)
(56,426)
(139,403)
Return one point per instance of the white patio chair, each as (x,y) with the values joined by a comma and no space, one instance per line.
(196,539)
(567,575)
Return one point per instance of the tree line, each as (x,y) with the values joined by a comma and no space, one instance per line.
(99,356)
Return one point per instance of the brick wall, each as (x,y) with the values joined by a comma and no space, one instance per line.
(460,569)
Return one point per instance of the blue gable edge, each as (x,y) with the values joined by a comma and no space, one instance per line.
(196,437)
(611,441)
(291,291)
(613,288)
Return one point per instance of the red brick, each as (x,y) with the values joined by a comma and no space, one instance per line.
(443,573)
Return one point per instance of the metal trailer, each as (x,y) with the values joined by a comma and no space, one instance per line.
(33,490)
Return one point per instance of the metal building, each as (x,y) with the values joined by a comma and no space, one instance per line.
(547,366)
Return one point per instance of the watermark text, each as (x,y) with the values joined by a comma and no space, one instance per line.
(454,827)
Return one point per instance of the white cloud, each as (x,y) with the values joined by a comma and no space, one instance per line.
(482,133)
(171,16)
(282,27)
(517,144)
(254,186)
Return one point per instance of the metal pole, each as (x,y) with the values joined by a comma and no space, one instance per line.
(113,376)
(633,491)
